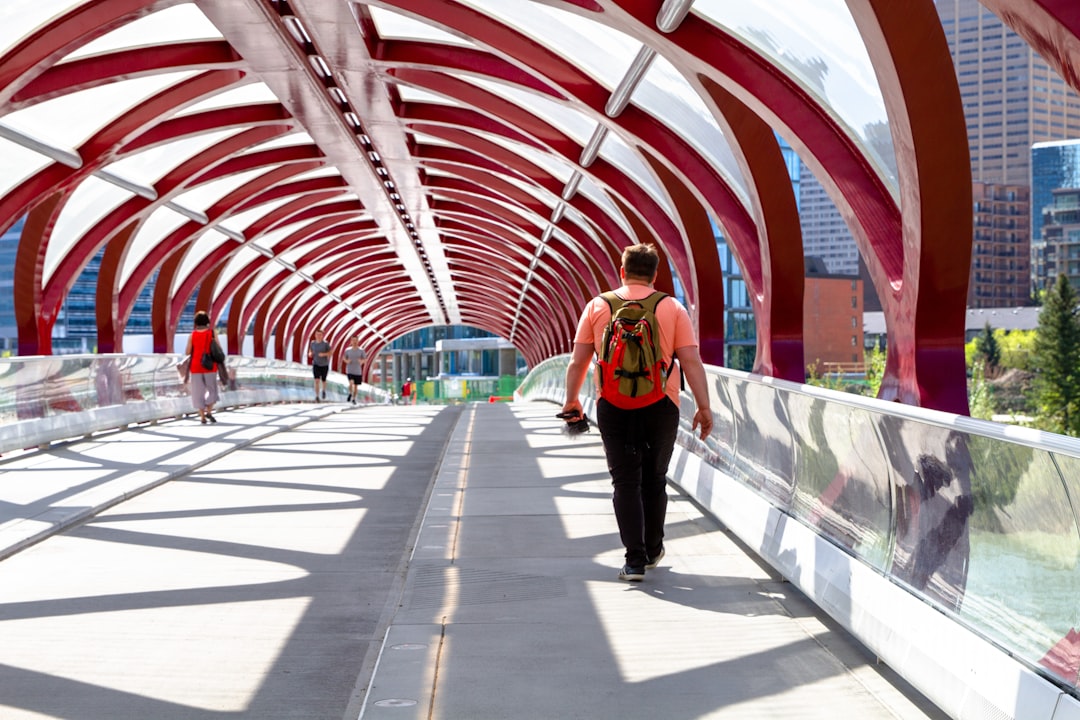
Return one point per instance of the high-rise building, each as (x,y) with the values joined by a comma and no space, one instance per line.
(9,245)
(825,234)
(76,327)
(1000,253)
(1012,98)
(1054,165)
(1061,238)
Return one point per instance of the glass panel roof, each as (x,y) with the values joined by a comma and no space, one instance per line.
(20,17)
(17,163)
(667,95)
(197,251)
(241,258)
(290,140)
(597,49)
(571,122)
(252,93)
(91,201)
(69,120)
(590,190)
(619,154)
(263,276)
(556,167)
(150,165)
(182,22)
(203,196)
(394,25)
(240,221)
(410,93)
(790,32)
(162,222)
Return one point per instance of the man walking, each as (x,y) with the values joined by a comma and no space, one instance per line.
(319,354)
(354,357)
(638,443)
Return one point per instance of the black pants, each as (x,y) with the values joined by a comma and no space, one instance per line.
(638,445)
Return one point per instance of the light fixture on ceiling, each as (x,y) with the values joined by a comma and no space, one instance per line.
(592,147)
(557,213)
(671,14)
(620,98)
(571,186)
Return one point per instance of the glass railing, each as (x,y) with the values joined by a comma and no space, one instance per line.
(977,518)
(44,399)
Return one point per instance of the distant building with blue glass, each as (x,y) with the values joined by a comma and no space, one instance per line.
(1055,166)
(76,326)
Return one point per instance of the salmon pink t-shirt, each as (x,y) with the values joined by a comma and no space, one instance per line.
(676,330)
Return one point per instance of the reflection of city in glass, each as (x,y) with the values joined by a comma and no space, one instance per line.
(9,244)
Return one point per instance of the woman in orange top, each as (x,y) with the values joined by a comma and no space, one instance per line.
(204,389)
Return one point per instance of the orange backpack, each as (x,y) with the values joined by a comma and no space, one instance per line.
(631,363)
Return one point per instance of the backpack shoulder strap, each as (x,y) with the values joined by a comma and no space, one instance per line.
(613,301)
(652,301)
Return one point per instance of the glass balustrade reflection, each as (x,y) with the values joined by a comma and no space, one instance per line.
(981,525)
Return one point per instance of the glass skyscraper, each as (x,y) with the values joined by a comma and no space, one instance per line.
(1054,165)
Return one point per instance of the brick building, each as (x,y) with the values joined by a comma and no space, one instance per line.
(833,318)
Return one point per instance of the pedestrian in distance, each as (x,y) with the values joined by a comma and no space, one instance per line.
(638,438)
(354,357)
(319,356)
(203,380)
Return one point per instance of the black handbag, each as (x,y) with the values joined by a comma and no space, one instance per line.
(207,361)
(216,353)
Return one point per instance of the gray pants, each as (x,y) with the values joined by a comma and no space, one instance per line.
(204,390)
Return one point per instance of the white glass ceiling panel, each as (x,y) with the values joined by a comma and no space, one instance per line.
(393,25)
(666,94)
(253,93)
(789,33)
(197,251)
(182,22)
(91,201)
(19,17)
(554,166)
(318,173)
(572,122)
(597,49)
(69,120)
(414,94)
(619,154)
(240,259)
(201,197)
(593,192)
(17,163)
(289,285)
(269,239)
(264,276)
(162,222)
(290,140)
(150,165)
(240,221)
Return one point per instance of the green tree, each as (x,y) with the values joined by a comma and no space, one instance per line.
(987,349)
(1057,359)
(1016,348)
(980,396)
(875,370)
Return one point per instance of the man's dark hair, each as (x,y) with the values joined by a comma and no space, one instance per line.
(202,319)
(640,261)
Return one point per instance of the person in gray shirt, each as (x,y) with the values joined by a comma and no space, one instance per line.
(319,355)
(354,358)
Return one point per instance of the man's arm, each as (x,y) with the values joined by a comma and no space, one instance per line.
(575,376)
(694,371)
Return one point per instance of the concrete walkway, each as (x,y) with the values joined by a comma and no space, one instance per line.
(309,568)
